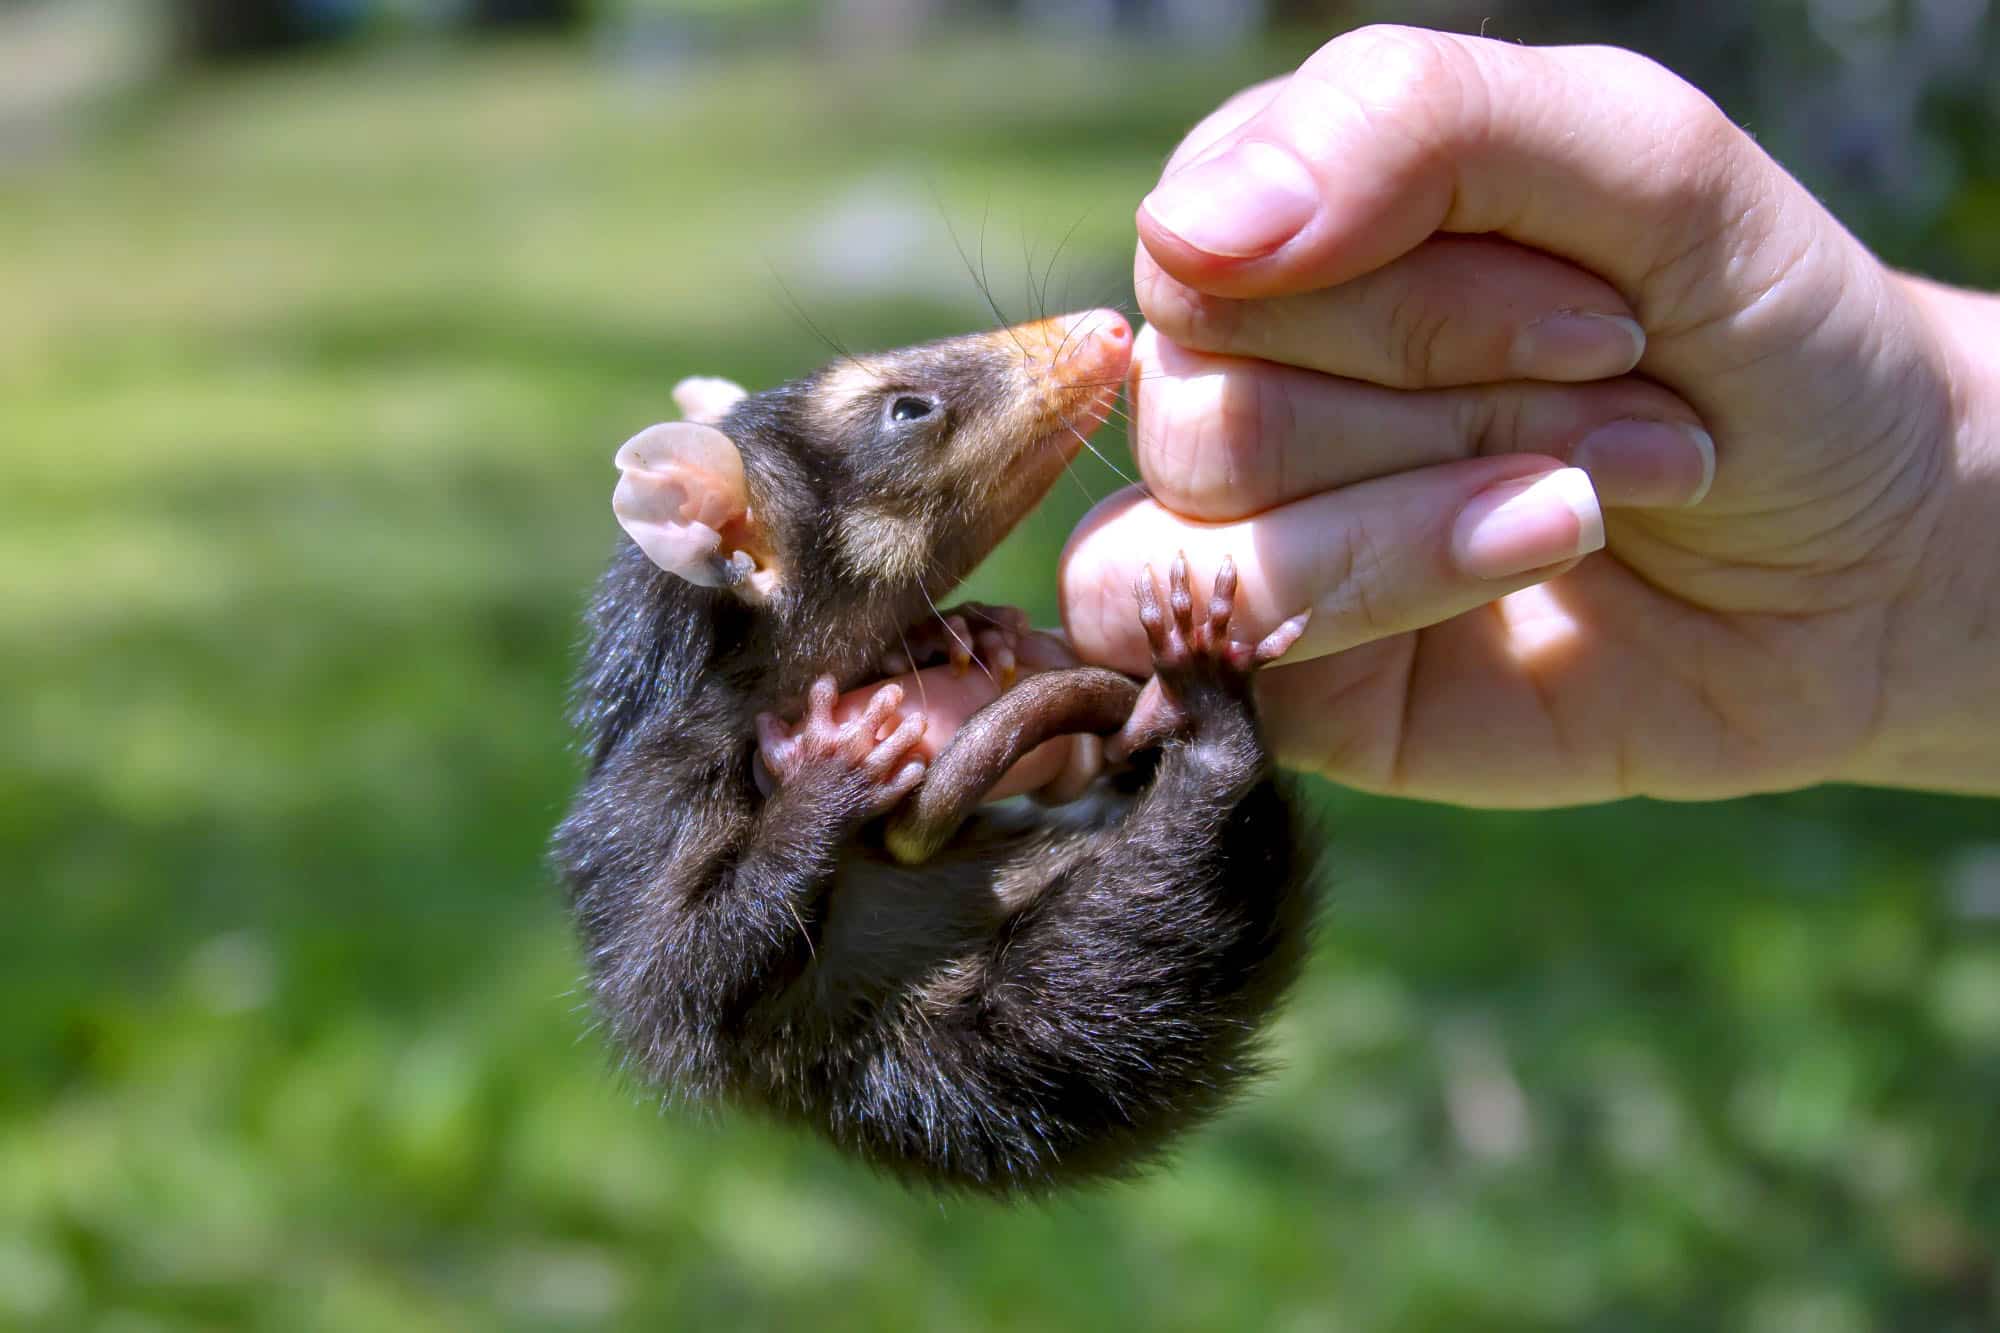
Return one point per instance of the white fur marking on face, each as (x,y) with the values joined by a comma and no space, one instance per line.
(882,544)
(844,386)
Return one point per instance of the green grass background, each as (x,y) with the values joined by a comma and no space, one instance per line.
(309,381)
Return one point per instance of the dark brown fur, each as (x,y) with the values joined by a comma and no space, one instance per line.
(1056,994)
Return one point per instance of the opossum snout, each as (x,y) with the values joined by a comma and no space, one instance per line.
(1088,349)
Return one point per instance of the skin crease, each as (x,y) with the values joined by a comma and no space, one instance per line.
(1825,611)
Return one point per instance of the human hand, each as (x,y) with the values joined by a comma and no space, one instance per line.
(1375,265)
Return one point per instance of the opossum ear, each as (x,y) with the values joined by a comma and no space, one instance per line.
(706,398)
(682,499)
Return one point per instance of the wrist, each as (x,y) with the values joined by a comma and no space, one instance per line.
(1938,720)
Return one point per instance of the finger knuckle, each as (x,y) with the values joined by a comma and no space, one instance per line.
(1204,457)
(1498,422)
(1391,54)
(1418,338)
(1646,80)
(1188,425)
(1412,83)
(1191,318)
(1355,575)
(1264,426)
(1691,170)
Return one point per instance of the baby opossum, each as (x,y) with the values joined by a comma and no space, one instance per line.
(1051,994)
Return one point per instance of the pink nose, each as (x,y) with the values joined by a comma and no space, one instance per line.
(1091,347)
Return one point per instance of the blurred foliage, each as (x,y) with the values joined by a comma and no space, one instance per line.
(309,383)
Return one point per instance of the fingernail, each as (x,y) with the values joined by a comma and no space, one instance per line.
(1527,523)
(1648,464)
(1243,204)
(1573,345)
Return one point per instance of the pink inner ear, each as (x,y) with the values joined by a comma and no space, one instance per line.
(682,485)
(648,506)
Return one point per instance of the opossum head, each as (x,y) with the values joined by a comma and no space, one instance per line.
(863,492)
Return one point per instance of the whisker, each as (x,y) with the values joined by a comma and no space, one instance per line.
(978,272)
(804,934)
(987,671)
(977,614)
(916,671)
(1100,455)
(833,344)
(1050,271)
(1069,470)
(1123,379)
(1028,275)
(986,282)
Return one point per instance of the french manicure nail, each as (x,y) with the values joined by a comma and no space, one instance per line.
(1648,464)
(1245,203)
(1528,523)
(1573,345)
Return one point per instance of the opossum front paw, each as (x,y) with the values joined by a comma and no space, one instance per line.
(851,765)
(968,633)
(1195,661)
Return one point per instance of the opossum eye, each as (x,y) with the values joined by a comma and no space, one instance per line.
(911,408)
